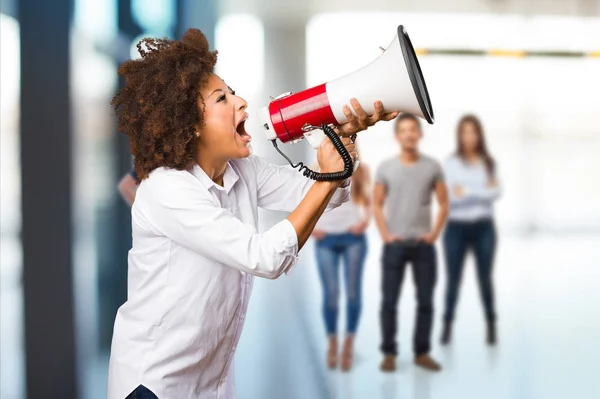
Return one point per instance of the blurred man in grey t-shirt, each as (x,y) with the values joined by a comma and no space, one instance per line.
(404,186)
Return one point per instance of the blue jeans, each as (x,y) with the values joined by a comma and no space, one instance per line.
(459,237)
(141,392)
(352,249)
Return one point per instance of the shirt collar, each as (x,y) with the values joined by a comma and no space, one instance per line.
(229,178)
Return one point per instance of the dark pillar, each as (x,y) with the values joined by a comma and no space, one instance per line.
(46,198)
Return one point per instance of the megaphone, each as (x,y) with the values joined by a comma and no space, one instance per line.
(394,78)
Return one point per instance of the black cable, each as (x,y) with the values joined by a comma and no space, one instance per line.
(335,176)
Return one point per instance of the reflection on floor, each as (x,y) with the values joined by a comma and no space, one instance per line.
(549,327)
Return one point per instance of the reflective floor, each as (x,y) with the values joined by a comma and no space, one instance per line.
(549,327)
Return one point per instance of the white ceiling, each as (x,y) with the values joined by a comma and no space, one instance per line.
(298,11)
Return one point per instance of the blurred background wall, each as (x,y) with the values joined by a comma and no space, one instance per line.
(529,68)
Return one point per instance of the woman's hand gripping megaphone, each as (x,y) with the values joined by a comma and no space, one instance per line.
(362,121)
(356,122)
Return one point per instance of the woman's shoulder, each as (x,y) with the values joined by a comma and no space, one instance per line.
(163,183)
(452,160)
(363,166)
(248,165)
(164,175)
(363,172)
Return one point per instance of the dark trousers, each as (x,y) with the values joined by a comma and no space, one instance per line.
(423,259)
(141,392)
(460,237)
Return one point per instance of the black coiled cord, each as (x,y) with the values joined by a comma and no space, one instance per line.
(335,176)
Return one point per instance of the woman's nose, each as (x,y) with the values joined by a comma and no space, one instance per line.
(242,104)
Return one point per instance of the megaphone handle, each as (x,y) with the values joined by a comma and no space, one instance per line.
(315,138)
(339,146)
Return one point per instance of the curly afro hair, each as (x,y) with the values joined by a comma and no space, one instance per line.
(157,108)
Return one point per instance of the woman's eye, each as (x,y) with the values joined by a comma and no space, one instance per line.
(231,91)
(221,98)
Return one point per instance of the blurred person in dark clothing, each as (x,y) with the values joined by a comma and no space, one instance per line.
(340,233)
(128,186)
(473,185)
(405,185)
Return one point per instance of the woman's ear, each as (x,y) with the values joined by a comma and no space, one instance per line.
(197,130)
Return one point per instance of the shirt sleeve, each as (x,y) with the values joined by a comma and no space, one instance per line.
(438,173)
(485,193)
(452,171)
(282,188)
(189,216)
(380,177)
(471,195)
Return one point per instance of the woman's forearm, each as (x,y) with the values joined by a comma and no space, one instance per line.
(127,188)
(441,219)
(368,212)
(305,216)
(484,193)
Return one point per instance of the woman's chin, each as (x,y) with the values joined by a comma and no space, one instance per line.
(243,145)
(245,152)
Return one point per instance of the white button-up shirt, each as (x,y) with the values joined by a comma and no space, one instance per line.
(195,251)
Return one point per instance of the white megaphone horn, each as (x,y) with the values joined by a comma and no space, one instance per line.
(394,78)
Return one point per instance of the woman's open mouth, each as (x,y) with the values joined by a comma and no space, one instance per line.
(241,131)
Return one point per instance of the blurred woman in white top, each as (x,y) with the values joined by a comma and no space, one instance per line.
(472,178)
(340,234)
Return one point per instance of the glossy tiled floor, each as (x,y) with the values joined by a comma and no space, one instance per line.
(549,327)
